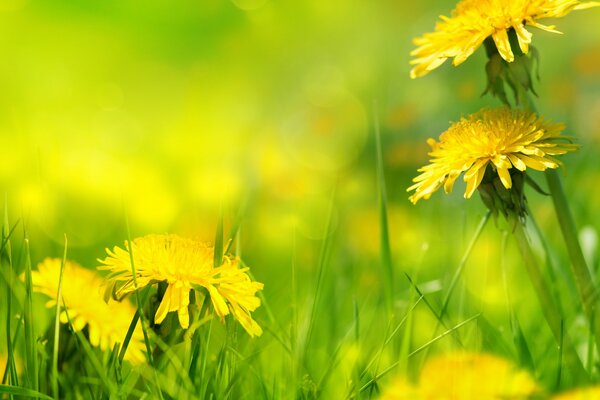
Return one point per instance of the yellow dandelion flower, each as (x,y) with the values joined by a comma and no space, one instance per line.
(400,389)
(591,393)
(107,323)
(473,21)
(183,263)
(468,376)
(500,138)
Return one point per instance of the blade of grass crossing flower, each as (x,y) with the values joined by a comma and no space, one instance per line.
(128,336)
(30,342)
(583,278)
(57,323)
(550,309)
(22,392)
(218,255)
(196,346)
(140,307)
(384,237)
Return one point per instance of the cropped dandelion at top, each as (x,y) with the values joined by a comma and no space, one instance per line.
(184,263)
(81,293)
(475,20)
(500,138)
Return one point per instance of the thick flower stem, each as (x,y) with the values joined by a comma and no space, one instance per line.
(550,308)
(581,273)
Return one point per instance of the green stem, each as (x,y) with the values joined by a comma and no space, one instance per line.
(550,309)
(583,277)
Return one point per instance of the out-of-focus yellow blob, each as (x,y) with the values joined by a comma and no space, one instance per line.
(590,393)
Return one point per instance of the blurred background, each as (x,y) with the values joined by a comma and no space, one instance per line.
(166,113)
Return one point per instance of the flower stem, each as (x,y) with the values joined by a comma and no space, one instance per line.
(550,308)
(583,277)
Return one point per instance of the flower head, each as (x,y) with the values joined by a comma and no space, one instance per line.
(473,21)
(107,323)
(498,138)
(184,263)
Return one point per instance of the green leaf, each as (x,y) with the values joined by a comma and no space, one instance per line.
(19,391)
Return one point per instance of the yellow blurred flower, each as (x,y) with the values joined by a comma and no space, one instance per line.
(184,263)
(107,323)
(469,376)
(400,389)
(473,21)
(501,138)
(591,393)
(465,376)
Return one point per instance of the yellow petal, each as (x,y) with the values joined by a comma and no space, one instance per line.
(524,37)
(504,177)
(503,45)
(218,302)
(164,307)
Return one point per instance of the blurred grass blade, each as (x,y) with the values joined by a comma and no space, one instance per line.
(57,324)
(30,341)
(449,331)
(374,380)
(23,392)
(7,251)
(218,255)
(323,259)
(550,309)
(385,248)
(235,225)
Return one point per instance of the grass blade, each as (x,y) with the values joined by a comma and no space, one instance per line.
(57,324)
(23,392)
(30,342)
(385,248)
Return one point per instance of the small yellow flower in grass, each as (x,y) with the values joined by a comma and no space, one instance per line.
(590,393)
(469,376)
(499,139)
(465,376)
(473,21)
(107,323)
(184,263)
(400,389)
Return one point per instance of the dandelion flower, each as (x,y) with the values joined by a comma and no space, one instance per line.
(183,264)
(469,376)
(590,393)
(473,21)
(400,389)
(107,323)
(495,139)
